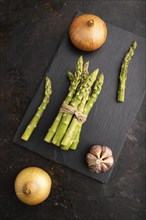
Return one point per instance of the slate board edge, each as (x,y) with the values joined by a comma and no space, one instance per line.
(123,142)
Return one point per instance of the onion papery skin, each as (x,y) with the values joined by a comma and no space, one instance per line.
(88,37)
(32,185)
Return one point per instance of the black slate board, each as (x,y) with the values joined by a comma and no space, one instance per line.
(108,121)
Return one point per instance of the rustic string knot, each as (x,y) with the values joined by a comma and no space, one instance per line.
(73,111)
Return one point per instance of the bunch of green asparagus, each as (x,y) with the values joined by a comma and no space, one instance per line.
(83,93)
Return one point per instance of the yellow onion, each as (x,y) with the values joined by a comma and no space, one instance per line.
(88,32)
(32,185)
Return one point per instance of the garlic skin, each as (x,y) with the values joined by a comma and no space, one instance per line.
(99,159)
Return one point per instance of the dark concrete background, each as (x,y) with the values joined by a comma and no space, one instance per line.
(73,195)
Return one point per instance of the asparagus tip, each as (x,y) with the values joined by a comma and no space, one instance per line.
(135,44)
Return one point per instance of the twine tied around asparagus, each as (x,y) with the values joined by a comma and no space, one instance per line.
(67,109)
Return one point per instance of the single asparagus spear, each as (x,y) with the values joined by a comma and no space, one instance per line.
(96,91)
(70,76)
(86,69)
(72,89)
(33,124)
(77,138)
(94,96)
(67,139)
(85,73)
(124,71)
(74,103)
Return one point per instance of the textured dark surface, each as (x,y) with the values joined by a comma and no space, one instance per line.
(73,195)
(108,121)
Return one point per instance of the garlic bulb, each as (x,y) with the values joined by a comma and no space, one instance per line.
(99,159)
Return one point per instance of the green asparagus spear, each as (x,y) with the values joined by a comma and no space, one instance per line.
(74,103)
(85,73)
(96,91)
(72,89)
(33,124)
(70,76)
(76,138)
(66,141)
(85,70)
(94,96)
(124,71)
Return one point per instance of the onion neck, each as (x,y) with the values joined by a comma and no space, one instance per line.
(90,23)
(29,187)
(26,191)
